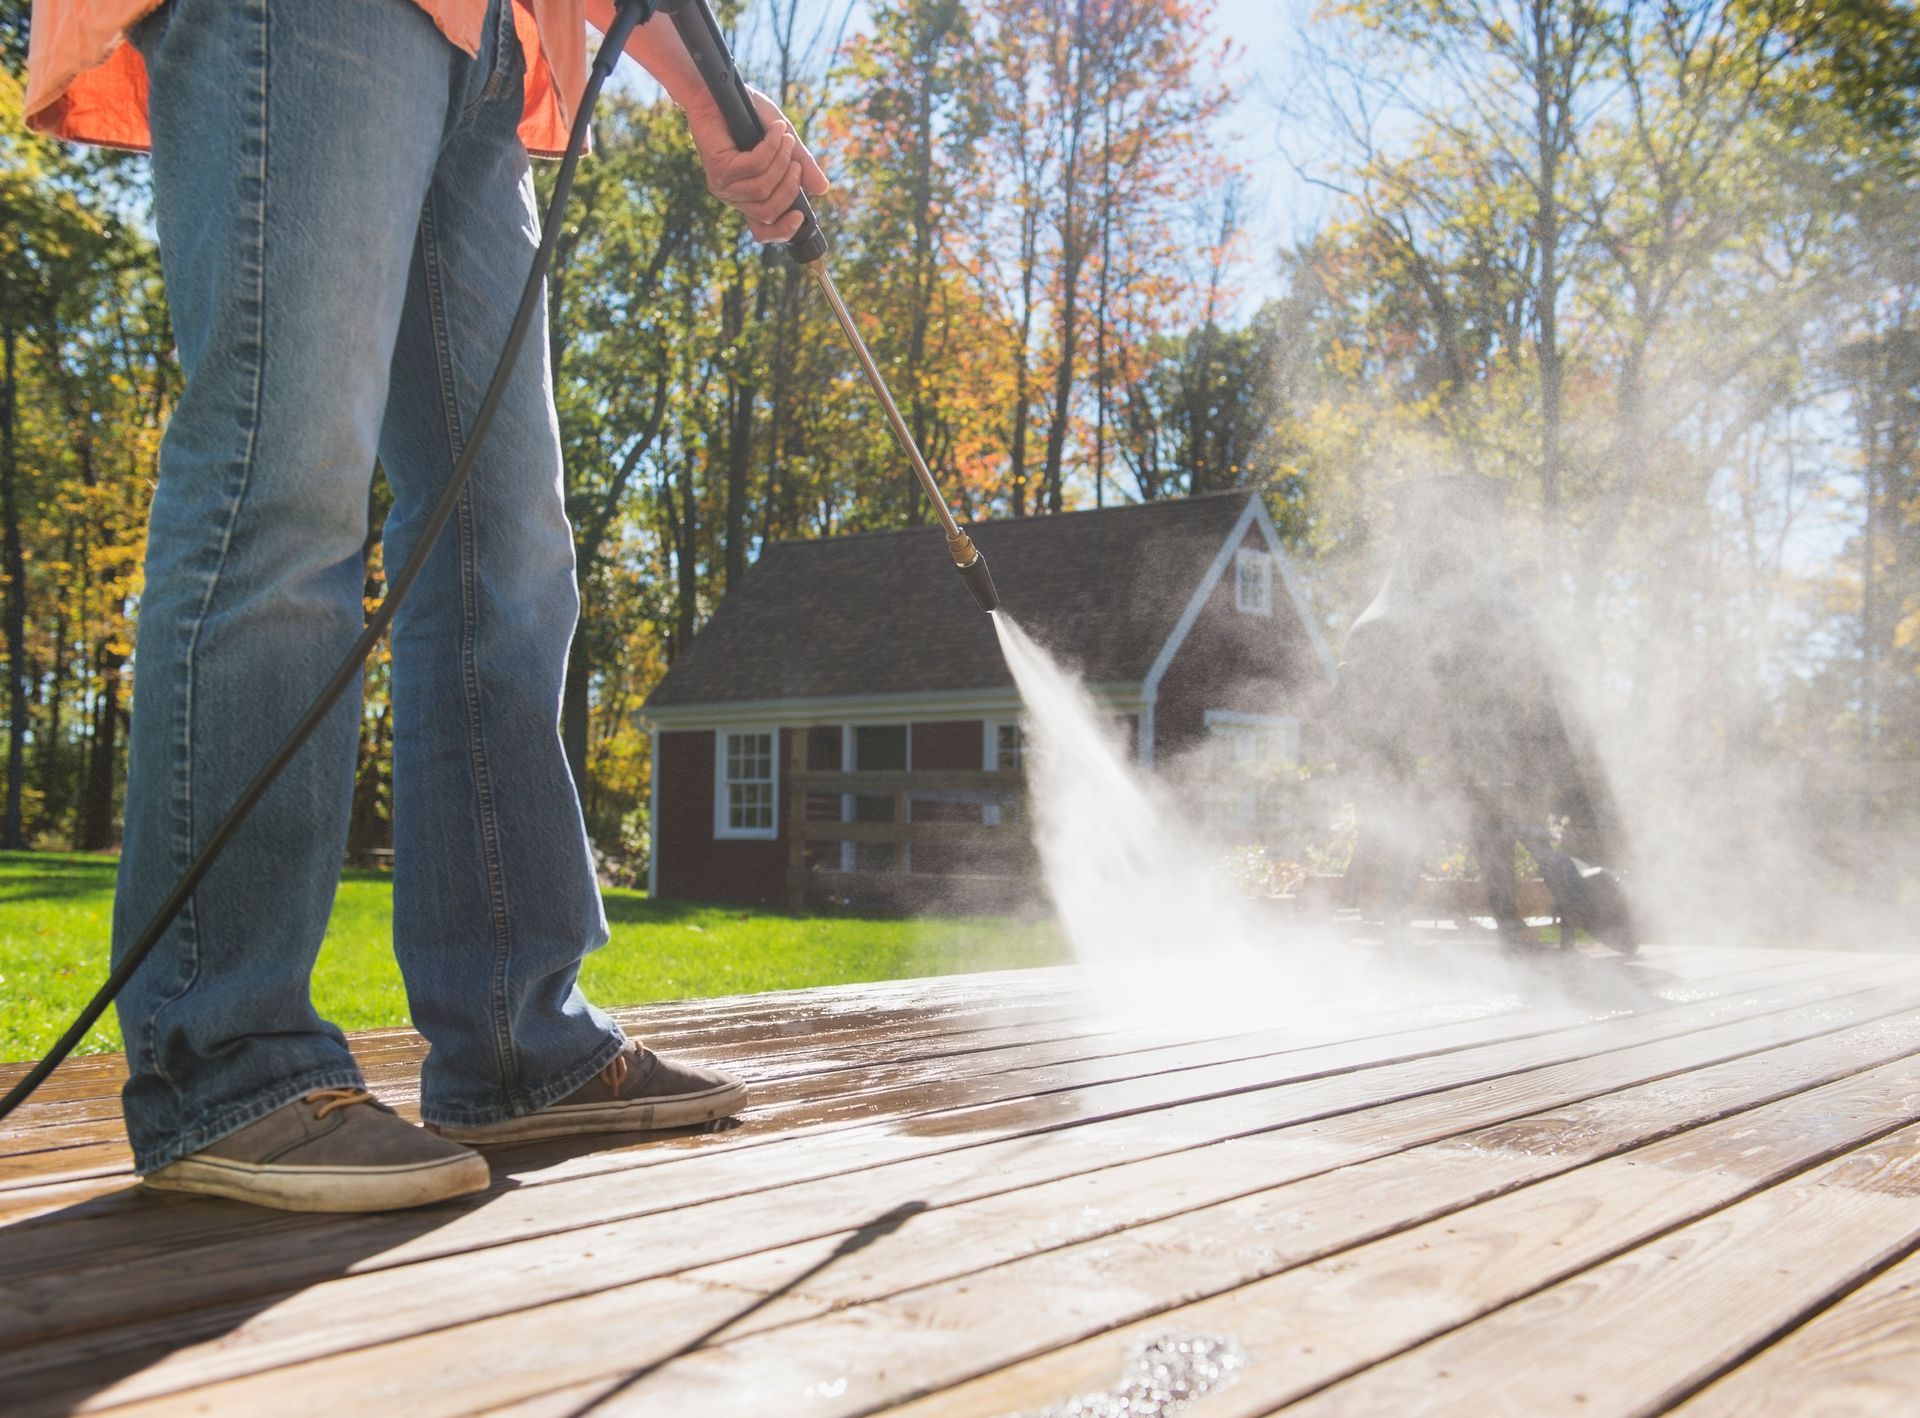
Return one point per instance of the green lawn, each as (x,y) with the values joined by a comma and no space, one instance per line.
(55,909)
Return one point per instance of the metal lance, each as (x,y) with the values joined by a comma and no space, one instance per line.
(707,47)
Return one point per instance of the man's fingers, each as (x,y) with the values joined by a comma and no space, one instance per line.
(776,202)
(761,185)
(811,177)
(754,177)
(763,182)
(770,232)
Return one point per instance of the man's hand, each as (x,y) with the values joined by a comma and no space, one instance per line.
(761,181)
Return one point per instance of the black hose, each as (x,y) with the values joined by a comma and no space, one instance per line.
(627,16)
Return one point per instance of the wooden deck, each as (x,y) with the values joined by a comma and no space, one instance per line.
(1688,1183)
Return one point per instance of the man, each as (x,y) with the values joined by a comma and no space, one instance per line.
(346,219)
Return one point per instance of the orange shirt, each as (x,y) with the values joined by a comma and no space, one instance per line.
(86,83)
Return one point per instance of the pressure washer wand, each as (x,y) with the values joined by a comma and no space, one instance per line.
(808,248)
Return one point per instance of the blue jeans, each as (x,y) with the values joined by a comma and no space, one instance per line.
(346,219)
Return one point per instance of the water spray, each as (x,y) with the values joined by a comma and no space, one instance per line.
(700,32)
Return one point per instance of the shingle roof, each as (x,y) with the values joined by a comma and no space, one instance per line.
(884,612)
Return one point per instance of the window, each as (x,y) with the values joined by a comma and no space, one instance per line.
(1248,758)
(880,748)
(1006,748)
(746,796)
(1253,582)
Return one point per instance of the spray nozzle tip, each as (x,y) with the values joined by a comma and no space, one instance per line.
(973,570)
(980,581)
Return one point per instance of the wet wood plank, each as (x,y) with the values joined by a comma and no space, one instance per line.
(946,1114)
(981,1194)
(1014,1179)
(1860,1356)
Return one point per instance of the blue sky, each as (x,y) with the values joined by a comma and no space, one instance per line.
(1280,209)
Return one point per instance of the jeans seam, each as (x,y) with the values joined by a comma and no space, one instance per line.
(469,666)
(189,917)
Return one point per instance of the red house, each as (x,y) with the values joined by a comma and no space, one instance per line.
(1186,618)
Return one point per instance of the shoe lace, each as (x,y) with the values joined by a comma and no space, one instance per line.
(615,1073)
(331,1100)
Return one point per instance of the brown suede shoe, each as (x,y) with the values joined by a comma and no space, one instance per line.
(336,1149)
(637,1092)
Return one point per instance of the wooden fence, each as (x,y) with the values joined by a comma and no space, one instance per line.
(960,838)
(917,838)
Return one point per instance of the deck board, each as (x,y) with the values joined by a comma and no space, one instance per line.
(1691,1179)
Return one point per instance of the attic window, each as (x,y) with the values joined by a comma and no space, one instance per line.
(1253,582)
(745,787)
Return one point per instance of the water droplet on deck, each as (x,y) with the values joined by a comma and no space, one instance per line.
(1162,1377)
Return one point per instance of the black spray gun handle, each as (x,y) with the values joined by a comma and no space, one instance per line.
(708,47)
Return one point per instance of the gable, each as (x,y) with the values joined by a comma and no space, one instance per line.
(884,614)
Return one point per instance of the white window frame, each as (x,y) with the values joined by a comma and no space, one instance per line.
(723,830)
(990,759)
(1260,564)
(990,750)
(1247,812)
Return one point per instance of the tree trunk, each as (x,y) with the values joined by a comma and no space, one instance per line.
(741,393)
(368,827)
(1022,394)
(1547,230)
(1072,257)
(53,788)
(96,804)
(12,834)
(686,567)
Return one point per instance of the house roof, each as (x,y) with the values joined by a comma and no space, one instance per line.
(882,613)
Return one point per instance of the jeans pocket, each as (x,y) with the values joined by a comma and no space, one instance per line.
(507,68)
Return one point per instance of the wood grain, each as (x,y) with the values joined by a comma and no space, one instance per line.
(1026,1211)
(1859,1357)
(972,1195)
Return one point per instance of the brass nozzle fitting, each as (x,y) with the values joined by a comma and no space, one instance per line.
(973,570)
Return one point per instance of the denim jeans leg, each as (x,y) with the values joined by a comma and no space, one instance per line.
(495,899)
(293,146)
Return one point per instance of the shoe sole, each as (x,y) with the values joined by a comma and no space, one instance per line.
(286,1188)
(680,1110)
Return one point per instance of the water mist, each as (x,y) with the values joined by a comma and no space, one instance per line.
(1141,892)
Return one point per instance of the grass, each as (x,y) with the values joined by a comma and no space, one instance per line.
(55,912)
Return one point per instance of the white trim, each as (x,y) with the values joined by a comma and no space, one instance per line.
(849,709)
(722,831)
(846,799)
(990,762)
(990,748)
(1122,696)
(653,815)
(1296,589)
(1196,603)
(1254,515)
